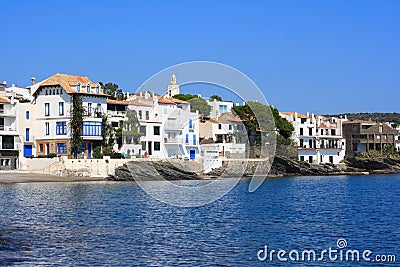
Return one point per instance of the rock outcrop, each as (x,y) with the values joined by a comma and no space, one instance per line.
(153,171)
(376,165)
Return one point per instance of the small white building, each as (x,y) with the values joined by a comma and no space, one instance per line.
(9,136)
(219,107)
(319,139)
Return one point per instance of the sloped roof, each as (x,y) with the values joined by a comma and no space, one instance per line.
(68,83)
(299,115)
(4,100)
(124,102)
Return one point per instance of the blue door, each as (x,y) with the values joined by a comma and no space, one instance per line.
(192,154)
(27,150)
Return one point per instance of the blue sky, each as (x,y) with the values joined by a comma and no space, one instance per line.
(317,56)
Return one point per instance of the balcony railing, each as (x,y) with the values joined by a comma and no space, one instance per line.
(7,128)
(173,126)
(8,112)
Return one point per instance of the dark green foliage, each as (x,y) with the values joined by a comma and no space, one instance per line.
(76,124)
(201,105)
(97,150)
(257,116)
(51,155)
(217,97)
(116,156)
(284,127)
(113,91)
(24,100)
(184,97)
(130,127)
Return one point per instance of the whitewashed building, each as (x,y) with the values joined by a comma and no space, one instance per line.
(219,107)
(53,100)
(169,129)
(319,139)
(9,136)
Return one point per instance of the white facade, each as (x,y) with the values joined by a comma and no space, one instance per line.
(219,107)
(53,101)
(319,139)
(9,136)
(169,129)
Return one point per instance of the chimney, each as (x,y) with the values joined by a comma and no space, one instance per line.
(146,95)
(33,80)
(295,115)
(308,114)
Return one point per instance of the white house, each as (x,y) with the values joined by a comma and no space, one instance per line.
(169,128)
(219,107)
(53,101)
(319,139)
(9,136)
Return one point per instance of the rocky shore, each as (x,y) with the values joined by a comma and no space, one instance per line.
(282,166)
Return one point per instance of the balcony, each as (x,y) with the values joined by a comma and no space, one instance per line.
(8,130)
(173,126)
(8,112)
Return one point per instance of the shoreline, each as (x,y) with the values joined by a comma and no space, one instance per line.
(16,177)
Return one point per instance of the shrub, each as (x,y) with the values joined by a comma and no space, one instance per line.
(51,155)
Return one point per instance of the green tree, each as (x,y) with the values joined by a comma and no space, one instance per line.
(113,91)
(76,124)
(257,116)
(216,97)
(201,105)
(131,127)
(184,97)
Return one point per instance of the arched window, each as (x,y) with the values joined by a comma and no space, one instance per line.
(97,89)
(78,87)
(88,88)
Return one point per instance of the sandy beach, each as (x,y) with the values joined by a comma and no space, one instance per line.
(10,177)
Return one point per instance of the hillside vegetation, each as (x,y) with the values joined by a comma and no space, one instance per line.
(376,116)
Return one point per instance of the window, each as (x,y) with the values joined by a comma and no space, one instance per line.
(88,88)
(7,142)
(147,115)
(114,124)
(58,91)
(144,145)
(333,132)
(187,139)
(61,148)
(46,93)
(27,130)
(190,124)
(301,158)
(310,131)
(97,89)
(54,91)
(99,109)
(230,127)
(156,146)
(301,131)
(61,128)
(27,115)
(223,108)
(194,139)
(310,159)
(61,91)
(78,87)
(219,126)
(303,120)
(91,128)
(47,127)
(380,128)
(1,124)
(156,130)
(61,108)
(47,109)
(140,114)
(142,129)
(89,109)
(301,142)
(40,148)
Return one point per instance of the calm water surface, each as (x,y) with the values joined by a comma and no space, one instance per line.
(117,224)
